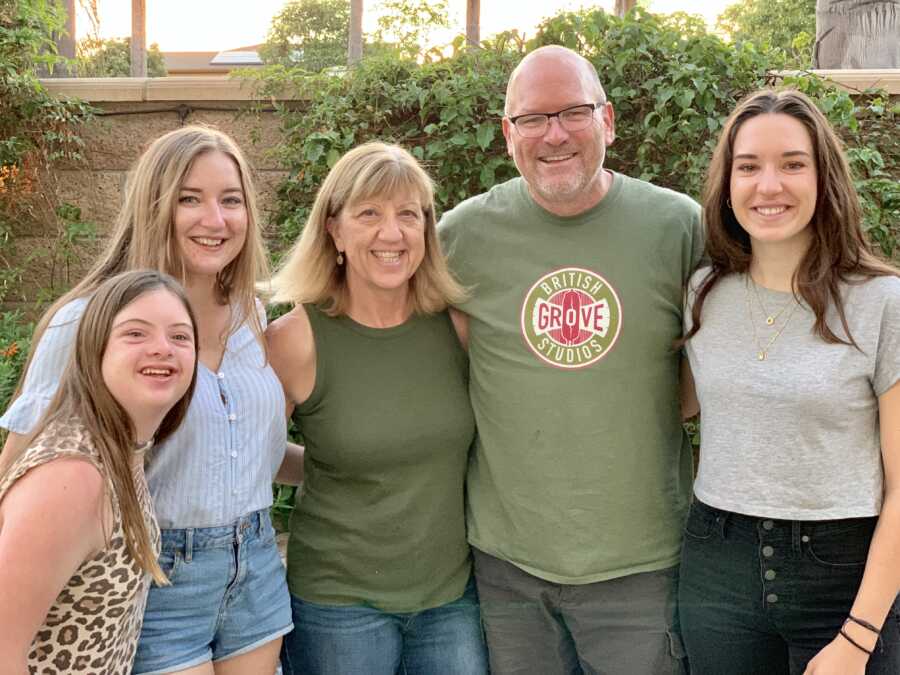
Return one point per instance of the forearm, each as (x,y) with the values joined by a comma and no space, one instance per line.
(881,580)
(291,470)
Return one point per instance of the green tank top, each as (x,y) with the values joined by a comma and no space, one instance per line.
(380,518)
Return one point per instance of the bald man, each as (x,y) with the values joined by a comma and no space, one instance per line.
(581,475)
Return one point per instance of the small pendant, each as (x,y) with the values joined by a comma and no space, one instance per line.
(770,320)
(761,356)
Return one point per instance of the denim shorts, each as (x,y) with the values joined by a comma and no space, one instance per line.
(228,596)
(760,595)
(362,640)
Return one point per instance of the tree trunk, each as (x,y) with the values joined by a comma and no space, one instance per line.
(473,22)
(65,44)
(354,48)
(854,34)
(623,6)
(139,38)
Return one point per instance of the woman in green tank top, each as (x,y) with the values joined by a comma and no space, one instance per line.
(378,564)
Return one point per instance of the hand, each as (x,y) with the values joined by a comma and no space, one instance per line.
(838,657)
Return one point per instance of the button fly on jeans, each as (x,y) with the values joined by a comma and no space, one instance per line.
(772,598)
(768,551)
(770,575)
(768,524)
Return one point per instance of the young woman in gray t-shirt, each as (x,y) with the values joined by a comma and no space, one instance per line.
(791,559)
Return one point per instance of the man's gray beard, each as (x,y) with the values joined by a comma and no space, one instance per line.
(561,188)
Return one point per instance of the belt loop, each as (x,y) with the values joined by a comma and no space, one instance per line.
(189,544)
(795,536)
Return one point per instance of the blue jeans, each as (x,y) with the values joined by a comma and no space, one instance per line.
(360,640)
(760,595)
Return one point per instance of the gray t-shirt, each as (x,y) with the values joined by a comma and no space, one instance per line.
(794,436)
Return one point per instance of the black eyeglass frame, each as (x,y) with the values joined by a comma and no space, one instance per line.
(593,106)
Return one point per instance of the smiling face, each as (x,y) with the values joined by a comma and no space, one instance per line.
(773,181)
(149,358)
(210,216)
(563,169)
(383,243)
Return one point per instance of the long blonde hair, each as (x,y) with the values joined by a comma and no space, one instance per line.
(83,397)
(143,236)
(310,273)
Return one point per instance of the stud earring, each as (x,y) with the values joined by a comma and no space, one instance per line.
(340,258)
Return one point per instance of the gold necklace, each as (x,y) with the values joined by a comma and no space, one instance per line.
(770,318)
(763,352)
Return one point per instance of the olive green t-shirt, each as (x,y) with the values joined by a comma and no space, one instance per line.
(380,519)
(581,470)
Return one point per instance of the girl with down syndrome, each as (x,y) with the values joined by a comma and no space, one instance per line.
(78,538)
(190,211)
(791,559)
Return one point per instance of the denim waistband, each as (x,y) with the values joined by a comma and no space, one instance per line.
(731,524)
(251,526)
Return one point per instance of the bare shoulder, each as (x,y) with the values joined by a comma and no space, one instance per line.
(292,352)
(67,495)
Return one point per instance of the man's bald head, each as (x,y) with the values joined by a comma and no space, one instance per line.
(556,57)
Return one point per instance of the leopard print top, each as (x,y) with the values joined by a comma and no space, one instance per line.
(94,624)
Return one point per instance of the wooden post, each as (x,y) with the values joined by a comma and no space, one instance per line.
(473,23)
(354,48)
(139,38)
(65,44)
(853,34)
(622,7)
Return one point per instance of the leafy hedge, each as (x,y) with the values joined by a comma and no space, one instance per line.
(671,83)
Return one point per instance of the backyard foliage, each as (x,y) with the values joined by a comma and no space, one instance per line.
(112,58)
(36,132)
(671,83)
(309,34)
(785,28)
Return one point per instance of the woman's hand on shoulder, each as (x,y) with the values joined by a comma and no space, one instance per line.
(50,522)
(292,353)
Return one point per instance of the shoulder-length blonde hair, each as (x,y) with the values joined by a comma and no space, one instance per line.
(310,273)
(143,235)
(84,397)
(838,253)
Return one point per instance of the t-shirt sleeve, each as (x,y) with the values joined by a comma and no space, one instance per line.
(887,357)
(698,240)
(47,366)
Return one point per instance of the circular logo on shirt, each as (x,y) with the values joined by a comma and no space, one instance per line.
(571,317)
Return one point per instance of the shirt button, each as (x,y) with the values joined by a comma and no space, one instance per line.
(805,538)
(234,453)
(221,376)
(768,524)
(772,598)
(770,575)
(232,417)
(768,551)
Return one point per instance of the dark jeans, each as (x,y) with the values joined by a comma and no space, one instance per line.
(759,595)
(623,626)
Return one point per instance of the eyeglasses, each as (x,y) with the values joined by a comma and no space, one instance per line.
(576,118)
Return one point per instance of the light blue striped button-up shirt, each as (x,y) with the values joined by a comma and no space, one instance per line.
(220,463)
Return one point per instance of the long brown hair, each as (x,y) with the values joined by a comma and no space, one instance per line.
(83,397)
(143,236)
(838,252)
(309,272)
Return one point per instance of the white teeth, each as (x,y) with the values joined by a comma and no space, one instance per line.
(771,210)
(156,371)
(206,241)
(557,158)
(387,256)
